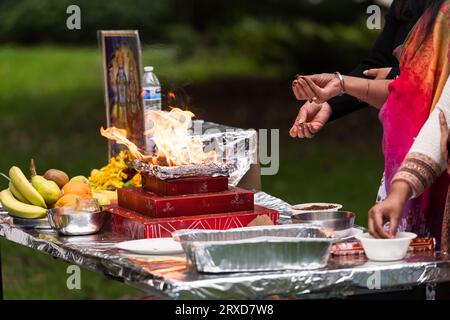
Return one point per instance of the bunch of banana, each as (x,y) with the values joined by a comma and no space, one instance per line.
(20,209)
(21,199)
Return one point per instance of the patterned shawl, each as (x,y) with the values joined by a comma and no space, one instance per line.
(413,95)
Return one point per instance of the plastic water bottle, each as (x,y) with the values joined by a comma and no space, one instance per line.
(151,95)
(151,90)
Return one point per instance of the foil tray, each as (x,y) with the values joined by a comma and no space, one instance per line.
(236,150)
(185,171)
(274,248)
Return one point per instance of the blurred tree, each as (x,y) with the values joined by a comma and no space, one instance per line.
(33,21)
(278,34)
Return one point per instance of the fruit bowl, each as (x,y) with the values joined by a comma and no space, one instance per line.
(72,222)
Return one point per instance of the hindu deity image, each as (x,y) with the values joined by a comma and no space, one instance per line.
(134,111)
(126,112)
(119,85)
(122,86)
(122,67)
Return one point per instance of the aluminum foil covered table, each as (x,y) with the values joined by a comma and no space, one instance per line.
(170,278)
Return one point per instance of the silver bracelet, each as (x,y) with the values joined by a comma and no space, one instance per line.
(341,79)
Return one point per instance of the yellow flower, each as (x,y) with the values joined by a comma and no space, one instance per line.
(137,180)
(110,176)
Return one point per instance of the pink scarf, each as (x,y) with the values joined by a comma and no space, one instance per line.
(413,96)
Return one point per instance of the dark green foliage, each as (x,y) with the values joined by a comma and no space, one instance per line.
(277,34)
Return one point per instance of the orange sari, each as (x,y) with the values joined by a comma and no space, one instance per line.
(425,67)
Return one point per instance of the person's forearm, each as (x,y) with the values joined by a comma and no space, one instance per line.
(373,92)
(343,105)
(400,192)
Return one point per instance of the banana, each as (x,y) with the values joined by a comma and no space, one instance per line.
(20,209)
(22,185)
(17,194)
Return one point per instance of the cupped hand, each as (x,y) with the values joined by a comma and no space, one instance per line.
(317,88)
(311,118)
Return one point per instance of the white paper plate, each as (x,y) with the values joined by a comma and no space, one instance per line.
(159,246)
(299,208)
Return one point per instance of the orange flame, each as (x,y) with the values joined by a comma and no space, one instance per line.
(120,137)
(172,95)
(175,147)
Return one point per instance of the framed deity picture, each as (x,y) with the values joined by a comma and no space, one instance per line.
(122,67)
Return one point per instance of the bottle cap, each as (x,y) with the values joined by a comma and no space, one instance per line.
(148,69)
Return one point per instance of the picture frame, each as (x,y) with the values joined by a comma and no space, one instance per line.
(122,72)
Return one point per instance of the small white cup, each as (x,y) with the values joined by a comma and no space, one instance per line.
(386,249)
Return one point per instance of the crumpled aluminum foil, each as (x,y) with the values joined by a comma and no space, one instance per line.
(236,150)
(192,170)
(170,277)
(271,202)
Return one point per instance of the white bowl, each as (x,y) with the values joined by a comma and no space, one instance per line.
(386,249)
(303,207)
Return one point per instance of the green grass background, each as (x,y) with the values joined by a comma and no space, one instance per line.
(51,108)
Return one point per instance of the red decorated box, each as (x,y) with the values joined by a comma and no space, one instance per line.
(156,206)
(180,186)
(137,226)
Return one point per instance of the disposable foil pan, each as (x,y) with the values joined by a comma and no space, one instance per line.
(274,248)
(192,170)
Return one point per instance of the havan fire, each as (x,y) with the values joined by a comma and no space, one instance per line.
(174,145)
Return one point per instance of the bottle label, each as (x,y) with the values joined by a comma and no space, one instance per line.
(151,93)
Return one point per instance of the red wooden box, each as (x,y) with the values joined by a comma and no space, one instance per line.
(180,186)
(153,205)
(136,226)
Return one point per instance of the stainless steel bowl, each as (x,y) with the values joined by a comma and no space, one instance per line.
(69,221)
(340,222)
(31,223)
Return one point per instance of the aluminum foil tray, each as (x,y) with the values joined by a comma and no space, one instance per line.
(275,248)
(236,151)
(193,170)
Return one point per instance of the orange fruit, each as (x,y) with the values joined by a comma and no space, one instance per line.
(77,188)
(67,200)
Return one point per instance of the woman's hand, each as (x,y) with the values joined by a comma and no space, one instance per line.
(311,119)
(445,139)
(390,209)
(317,88)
